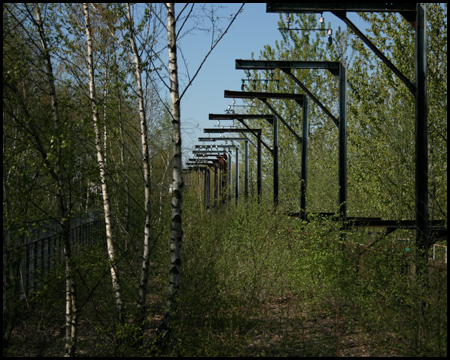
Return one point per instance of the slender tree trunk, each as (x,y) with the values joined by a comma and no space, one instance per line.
(146,168)
(105,128)
(122,161)
(177,184)
(71,307)
(161,189)
(103,177)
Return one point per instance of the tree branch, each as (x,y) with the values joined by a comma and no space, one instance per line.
(209,52)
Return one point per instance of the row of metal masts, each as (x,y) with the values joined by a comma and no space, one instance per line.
(215,156)
(427,231)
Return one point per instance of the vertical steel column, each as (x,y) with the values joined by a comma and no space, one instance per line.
(237,175)
(230,176)
(205,188)
(220,197)
(421,156)
(342,142)
(259,167)
(275,160)
(246,170)
(216,186)
(223,179)
(198,171)
(304,166)
(209,188)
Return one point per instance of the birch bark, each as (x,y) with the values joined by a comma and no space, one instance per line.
(103,176)
(146,168)
(70,298)
(177,179)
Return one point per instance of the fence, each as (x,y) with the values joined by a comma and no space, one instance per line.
(39,248)
(442,258)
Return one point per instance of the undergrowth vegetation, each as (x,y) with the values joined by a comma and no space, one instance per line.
(255,282)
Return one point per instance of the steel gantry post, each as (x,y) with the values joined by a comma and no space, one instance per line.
(275,161)
(300,99)
(342,143)
(304,165)
(217,163)
(421,156)
(220,185)
(246,169)
(206,187)
(272,119)
(246,163)
(338,70)
(415,14)
(205,168)
(237,175)
(222,166)
(258,147)
(214,148)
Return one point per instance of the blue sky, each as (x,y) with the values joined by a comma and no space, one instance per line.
(252,29)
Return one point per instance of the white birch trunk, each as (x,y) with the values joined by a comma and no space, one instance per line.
(161,188)
(71,308)
(101,164)
(177,180)
(146,168)
(105,129)
(122,161)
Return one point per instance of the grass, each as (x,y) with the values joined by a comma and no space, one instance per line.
(254,283)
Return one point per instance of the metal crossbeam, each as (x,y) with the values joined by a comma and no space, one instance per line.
(407,9)
(258,148)
(358,6)
(389,64)
(302,101)
(224,138)
(218,130)
(416,14)
(272,119)
(313,98)
(287,66)
(246,162)
(216,159)
(332,66)
(215,146)
(337,69)
(209,154)
(253,131)
(221,138)
(263,97)
(240,117)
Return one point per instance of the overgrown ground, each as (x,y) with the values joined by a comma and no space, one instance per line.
(255,283)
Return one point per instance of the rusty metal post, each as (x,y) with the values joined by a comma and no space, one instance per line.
(259,167)
(216,186)
(275,160)
(304,164)
(230,176)
(421,156)
(237,175)
(246,170)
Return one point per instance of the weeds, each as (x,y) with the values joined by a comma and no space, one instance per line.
(256,282)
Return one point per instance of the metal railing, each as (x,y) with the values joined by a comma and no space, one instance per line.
(445,252)
(39,248)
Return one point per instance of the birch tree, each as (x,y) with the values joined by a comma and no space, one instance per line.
(146,168)
(177,172)
(103,176)
(48,140)
(176,234)
(71,307)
